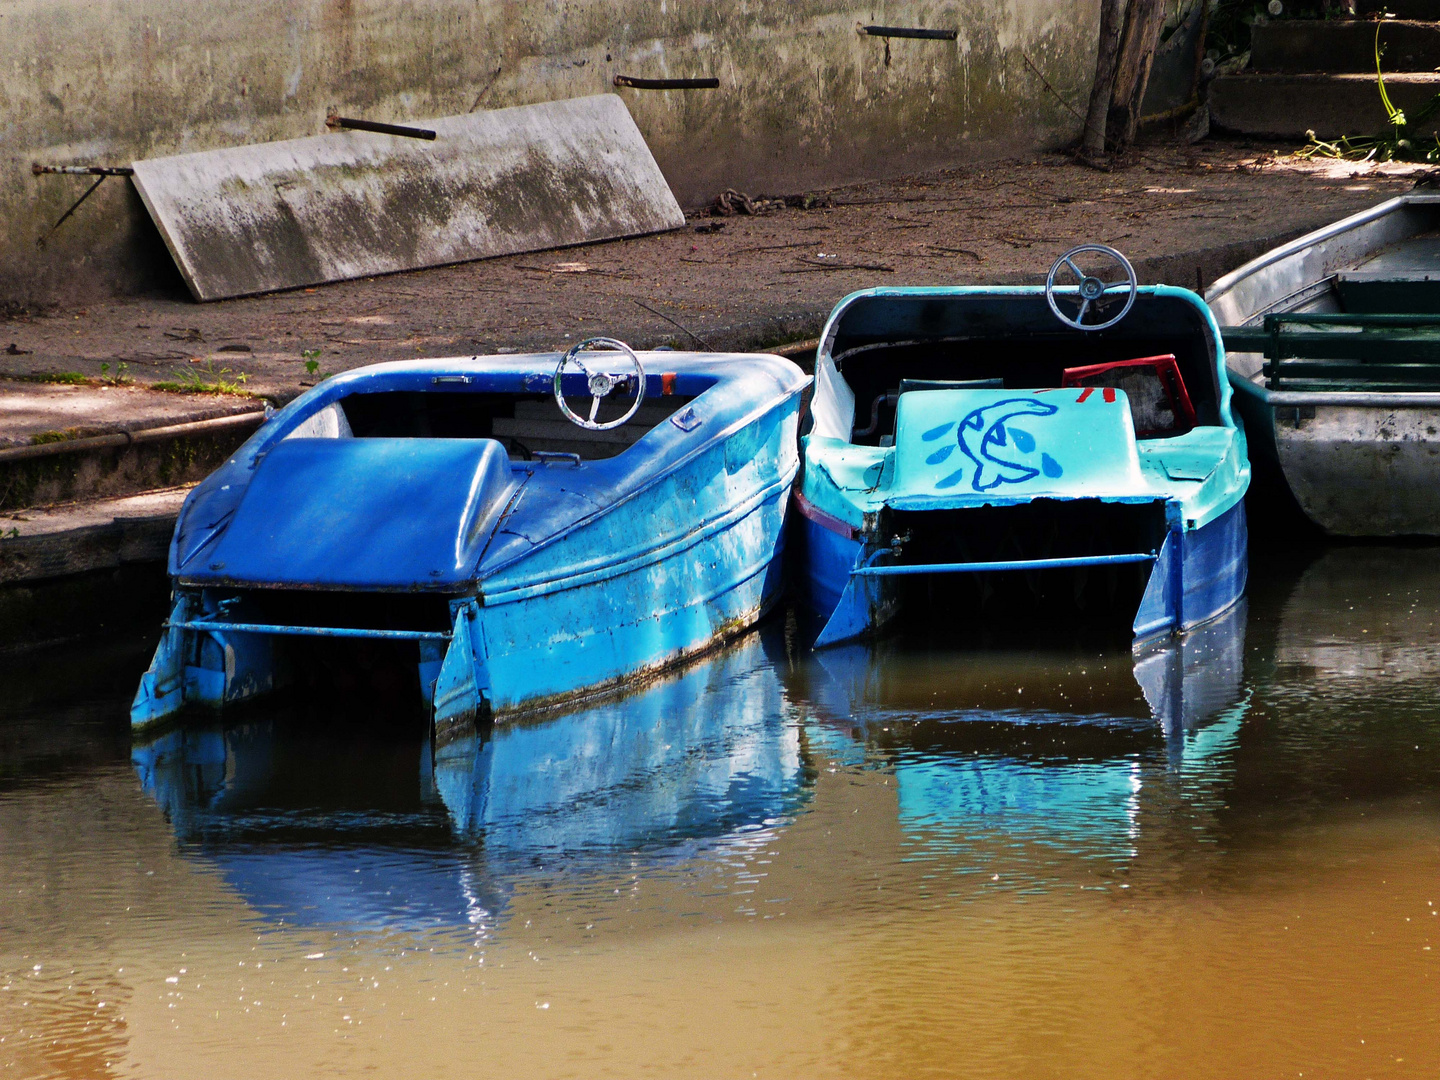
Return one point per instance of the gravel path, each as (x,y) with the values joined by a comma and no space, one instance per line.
(738,282)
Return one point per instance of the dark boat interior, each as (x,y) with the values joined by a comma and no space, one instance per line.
(887,345)
(526,423)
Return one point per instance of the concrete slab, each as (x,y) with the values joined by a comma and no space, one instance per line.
(254,219)
(1286,106)
(31,409)
(144,454)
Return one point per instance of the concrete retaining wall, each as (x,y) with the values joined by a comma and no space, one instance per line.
(805,101)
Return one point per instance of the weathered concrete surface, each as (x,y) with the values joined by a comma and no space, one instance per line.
(1287,106)
(733,283)
(121,463)
(33,412)
(804,100)
(297,212)
(98,534)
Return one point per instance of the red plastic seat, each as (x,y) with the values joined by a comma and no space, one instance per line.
(1159,403)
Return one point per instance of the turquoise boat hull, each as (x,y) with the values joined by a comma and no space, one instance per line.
(1004,473)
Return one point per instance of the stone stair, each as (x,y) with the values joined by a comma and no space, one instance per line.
(91,480)
(1319,75)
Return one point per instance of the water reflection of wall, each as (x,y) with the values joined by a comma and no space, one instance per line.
(1359,613)
(372,830)
(1346,672)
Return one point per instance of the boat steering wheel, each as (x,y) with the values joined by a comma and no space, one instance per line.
(601,383)
(1092,291)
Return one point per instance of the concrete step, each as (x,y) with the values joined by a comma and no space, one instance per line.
(1286,106)
(1401,9)
(59,443)
(1336,46)
(84,569)
(98,534)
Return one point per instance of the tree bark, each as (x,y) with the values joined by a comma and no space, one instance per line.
(1112,26)
(1144,19)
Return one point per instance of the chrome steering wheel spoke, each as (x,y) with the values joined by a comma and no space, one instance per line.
(599,383)
(1091,289)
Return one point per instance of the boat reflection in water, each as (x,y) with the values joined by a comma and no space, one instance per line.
(1038,754)
(1357,615)
(317,824)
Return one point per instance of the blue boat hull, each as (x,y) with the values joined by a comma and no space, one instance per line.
(657,602)
(562,576)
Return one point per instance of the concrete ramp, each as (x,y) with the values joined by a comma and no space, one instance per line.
(254,219)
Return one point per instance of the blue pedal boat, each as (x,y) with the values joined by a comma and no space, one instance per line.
(1001,453)
(462,516)
(399,832)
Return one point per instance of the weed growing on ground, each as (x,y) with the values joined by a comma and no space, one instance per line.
(121,376)
(206,379)
(45,437)
(1395,144)
(313,366)
(65,378)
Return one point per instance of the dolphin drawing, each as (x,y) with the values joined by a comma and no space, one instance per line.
(982,433)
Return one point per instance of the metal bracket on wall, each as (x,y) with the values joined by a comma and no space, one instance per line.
(335,121)
(909,32)
(100,172)
(666,84)
(888,32)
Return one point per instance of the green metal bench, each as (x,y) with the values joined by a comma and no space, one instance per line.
(1344,351)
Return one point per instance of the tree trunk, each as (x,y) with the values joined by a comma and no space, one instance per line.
(1144,19)
(1112,25)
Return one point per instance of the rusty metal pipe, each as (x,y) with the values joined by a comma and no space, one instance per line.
(216,425)
(909,32)
(80,170)
(666,84)
(380,129)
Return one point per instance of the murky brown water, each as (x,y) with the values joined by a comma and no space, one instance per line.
(887,862)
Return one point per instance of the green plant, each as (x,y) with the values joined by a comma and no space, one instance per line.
(121,376)
(67,378)
(44,437)
(313,366)
(1397,144)
(10,534)
(310,354)
(207,379)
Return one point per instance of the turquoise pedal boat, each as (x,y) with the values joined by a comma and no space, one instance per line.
(460,519)
(994,454)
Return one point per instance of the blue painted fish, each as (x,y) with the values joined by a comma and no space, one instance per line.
(983,432)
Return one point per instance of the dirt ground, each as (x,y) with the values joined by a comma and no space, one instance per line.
(1184,215)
